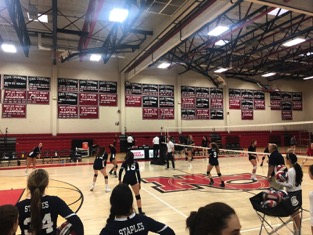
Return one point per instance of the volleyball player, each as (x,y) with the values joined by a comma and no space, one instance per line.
(8,219)
(113,160)
(204,144)
(124,220)
(253,158)
(32,156)
(213,162)
(170,152)
(266,151)
(189,142)
(131,177)
(38,214)
(100,165)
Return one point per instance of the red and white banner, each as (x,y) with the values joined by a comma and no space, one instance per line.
(188,103)
(286,115)
(234,104)
(275,105)
(150,113)
(67,111)
(259,104)
(203,114)
(133,101)
(88,99)
(246,114)
(108,99)
(166,113)
(38,97)
(216,103)
(14,97)
(13,111)
(88,112)
(297,105)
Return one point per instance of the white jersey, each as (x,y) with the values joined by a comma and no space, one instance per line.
(156,140)
(170,147)
(130,139)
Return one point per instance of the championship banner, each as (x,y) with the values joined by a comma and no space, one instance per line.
(203,114)
(133,101)
(275,96)
(216,103)
(150,101)
(88,99)
(150,89)
(166,102)
(108,87)
(234,93)
(297,105)
(150,113)
(67,112)
(166,90)
(136,88)
(297,96)
(259,95)
(246,114)
(67,98)
(202,92)
(188,114)
(88,112)
(275,105)
(65,84)
(202,103)
(216,114)
(188,103)
(216,92)
(259,104)
(14,82)
(286,95)
(166,113)
(286,115)
(234,103)
(286,105)
(246,104)
(13,111)
(247,94)
(188,91)
(38,83)
(15,97)
(38,97)
(88,86)
(108,99)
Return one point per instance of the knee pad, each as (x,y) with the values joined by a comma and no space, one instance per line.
(138,197)
(208,172)
(219,174)
(263,158)
(106,177)
(255,167)
(95,175)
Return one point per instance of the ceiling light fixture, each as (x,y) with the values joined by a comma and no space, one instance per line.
(95,57)
(221,42)
(118,15)
(9,48)
(164,65)
(218,30)
(307,54)
(220,70)
(308,78)
(293,42)
(276,10)
(268,74)
(41,18)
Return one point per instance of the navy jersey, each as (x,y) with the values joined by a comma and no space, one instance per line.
(100,162)
(213,157)
(132,174)
(135,224)
(113,153)
(252,149)
(52,206)
(35,152)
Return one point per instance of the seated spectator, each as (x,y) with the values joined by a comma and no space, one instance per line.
(123,218)
(214,219)
(8,219)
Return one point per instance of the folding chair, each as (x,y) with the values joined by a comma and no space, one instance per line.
(284,212)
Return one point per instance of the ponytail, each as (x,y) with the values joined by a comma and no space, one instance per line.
(111,216)
(35,212)
(299,174)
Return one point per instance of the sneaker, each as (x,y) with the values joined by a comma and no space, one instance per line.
(107,190)
(222,185)
(211,183)
(254,180)
(261,164)
(92,188)
(142,213)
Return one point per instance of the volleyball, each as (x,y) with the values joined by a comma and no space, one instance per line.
(281,168)
(269,204)
(281,176)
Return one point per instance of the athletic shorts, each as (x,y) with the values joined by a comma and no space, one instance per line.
(251,158)
(130,180)
(112,157)
(213,162)
(32,156)
(97,164)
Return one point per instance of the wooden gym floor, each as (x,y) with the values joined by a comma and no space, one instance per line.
(167,195)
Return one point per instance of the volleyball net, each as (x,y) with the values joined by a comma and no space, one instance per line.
(234,140)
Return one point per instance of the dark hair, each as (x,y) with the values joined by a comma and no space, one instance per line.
(129,159)
(8,217)
(37,182)
(100,151)
(121,201)
(252,142)
(210,219)
(299,174)
(311,169)
(215,146)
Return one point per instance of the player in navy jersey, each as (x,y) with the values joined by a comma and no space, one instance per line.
(213,162)
(113,160)
(32,156)
(123,220)
(38,214)
(100,165)
(131,177)
(253,158)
